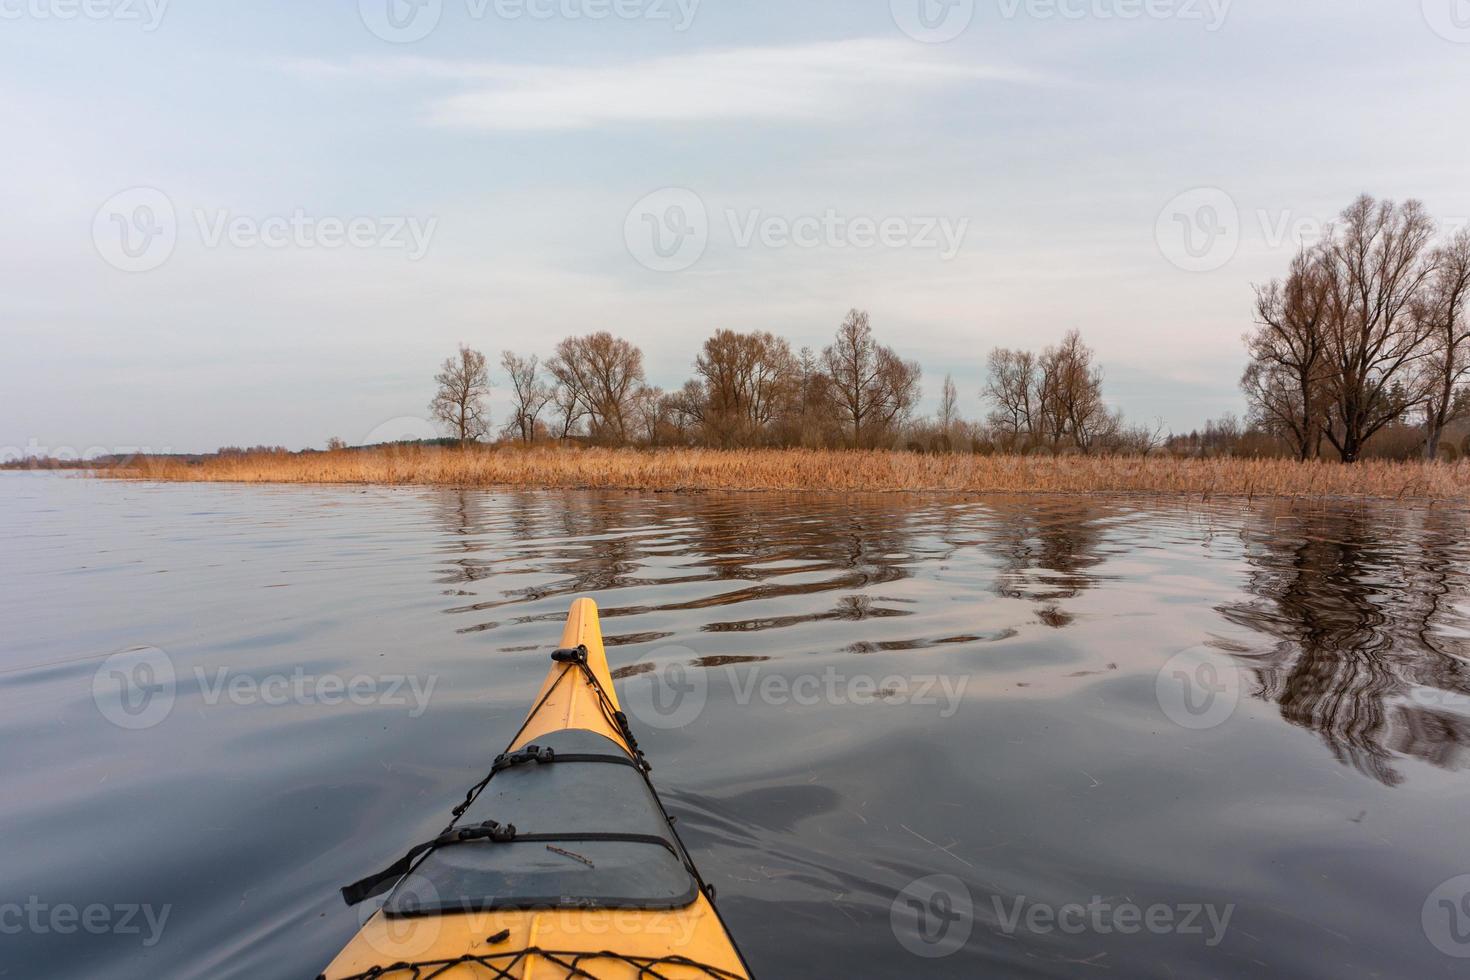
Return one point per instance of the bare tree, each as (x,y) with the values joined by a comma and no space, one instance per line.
(604,373)
(1051,407)
(529,393)
(1442,314)
(1013,387)
(1078,406)
(949,406)
(746,382)
(1378,264)
(459,404)
(874,389)
(1285,381)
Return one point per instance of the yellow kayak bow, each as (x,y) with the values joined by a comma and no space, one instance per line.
(561,863)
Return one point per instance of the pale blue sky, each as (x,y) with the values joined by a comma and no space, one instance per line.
(1055,133)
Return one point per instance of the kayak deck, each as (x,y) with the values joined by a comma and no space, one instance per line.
(609,889)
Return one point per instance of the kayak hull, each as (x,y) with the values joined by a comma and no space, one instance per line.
(555,942)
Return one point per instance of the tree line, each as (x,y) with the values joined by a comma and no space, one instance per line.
(1363,348)
(1365,337)
(754,390)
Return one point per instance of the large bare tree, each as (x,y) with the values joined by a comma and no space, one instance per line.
(1286,380)
(1378,261)
(1076,397)
(1443,316)
(529,394)
(605,374)
(745,382)
(1014,388)
(459,404)
(874,389)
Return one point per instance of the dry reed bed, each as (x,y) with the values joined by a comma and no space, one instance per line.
(702,469)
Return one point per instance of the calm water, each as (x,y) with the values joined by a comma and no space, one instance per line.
(1237,736)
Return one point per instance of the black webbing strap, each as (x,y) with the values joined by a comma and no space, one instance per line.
(488,832)
(374,885)
(540,756)
(546,756)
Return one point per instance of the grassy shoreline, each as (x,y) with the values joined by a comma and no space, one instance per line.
(697,470)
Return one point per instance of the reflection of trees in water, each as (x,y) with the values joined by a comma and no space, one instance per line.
(1047,550)
(601,542)
(1363,608)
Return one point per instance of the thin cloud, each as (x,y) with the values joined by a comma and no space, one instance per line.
(830,81)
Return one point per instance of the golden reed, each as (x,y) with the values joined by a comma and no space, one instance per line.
(783,469)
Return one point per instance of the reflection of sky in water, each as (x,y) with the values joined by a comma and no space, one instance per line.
(1327,807)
